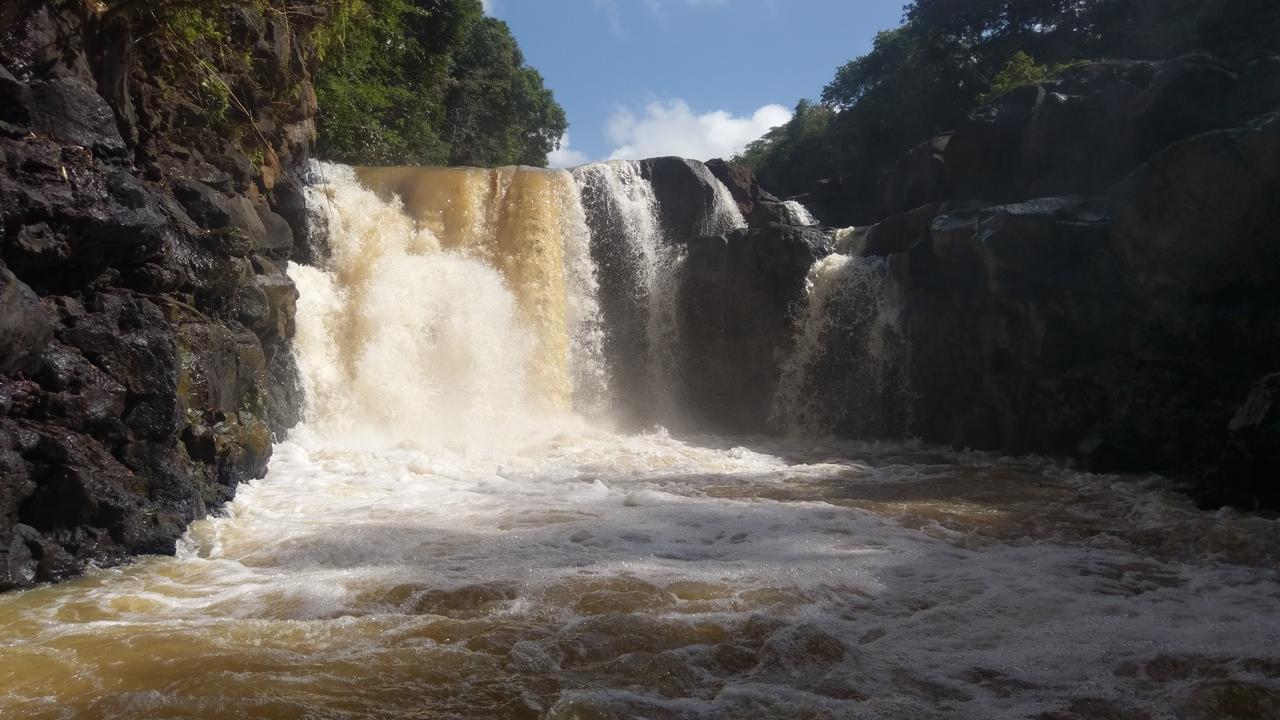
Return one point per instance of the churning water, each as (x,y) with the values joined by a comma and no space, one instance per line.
(445,538)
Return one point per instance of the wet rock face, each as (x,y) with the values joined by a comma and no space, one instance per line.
(144,306)
(1088,268)
(736,301)
(744,188)
(1123,330)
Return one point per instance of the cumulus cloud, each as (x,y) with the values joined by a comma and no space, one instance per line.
(673,128)
(564,156)
(490,6)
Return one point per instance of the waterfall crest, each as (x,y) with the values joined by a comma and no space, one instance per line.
(642,265)
(455,301)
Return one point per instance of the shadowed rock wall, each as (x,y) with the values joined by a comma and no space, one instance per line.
(144,307)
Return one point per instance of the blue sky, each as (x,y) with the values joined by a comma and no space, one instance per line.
(698,78)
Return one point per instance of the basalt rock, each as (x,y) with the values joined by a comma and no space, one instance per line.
(24,324)
(1087,267)
(687,196)
(1252,453)
(735,306)
(1124,330)
(1084,131)
(144,304)
(746,191)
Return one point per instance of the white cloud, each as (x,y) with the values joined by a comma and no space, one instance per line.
(672,128)
(490,7)
(564,156)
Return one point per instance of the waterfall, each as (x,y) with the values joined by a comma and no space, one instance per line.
(443,538)
(455,302)
(724,213)
(798,214)
(641,266)
(844,372)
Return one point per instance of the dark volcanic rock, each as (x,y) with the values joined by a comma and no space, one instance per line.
(1085,130)
(742,184)
(767,212)
(1247,470)
(690,203)
(736,301)
(686,192)
(1037,327)
(1202,216)
(25,327)
(1087,267)
(145,317)
(76,114)
(919,178)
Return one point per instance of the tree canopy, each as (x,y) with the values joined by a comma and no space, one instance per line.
(429,82)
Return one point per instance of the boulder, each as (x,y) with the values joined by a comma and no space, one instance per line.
(919,178)
(742,184)
(276,240)
(75,114)
(1201,216)
(1188,95)
(24,325)
(768,212)
(688,197)
(310,232)
(984,155)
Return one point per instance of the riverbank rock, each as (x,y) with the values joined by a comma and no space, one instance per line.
(1122,331)
(143,300)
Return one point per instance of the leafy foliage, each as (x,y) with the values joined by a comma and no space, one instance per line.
(1021,70)
(921,79)
(429,82)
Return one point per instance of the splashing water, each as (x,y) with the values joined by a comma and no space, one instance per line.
(724,215)
(443,540)
(644,268)
(847,348)
(798,214)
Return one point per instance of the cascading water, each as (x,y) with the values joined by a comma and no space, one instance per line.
(724,214)
(529,225)
(844,372)
(443,539)
(387,347)
(644,265)
(798,214)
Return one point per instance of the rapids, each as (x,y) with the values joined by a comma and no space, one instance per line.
(457,532)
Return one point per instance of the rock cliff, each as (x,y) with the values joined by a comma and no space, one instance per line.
(144,305)
(1089,267)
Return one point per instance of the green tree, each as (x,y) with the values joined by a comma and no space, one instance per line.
(429,82)
(499,112)
(1021,70)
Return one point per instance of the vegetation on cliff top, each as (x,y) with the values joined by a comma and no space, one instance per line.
(429,82)
(922,79)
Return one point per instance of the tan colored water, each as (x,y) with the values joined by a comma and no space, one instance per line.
(598,576)
(512,219)
(437,541)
